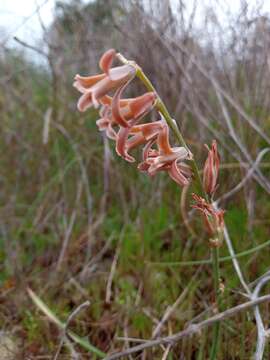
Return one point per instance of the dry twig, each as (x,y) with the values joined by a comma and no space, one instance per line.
(191,329)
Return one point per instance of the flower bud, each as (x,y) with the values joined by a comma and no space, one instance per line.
(211,169)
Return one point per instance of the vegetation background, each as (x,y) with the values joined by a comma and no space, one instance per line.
(78,223)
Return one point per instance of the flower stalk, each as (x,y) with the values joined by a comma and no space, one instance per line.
(121,120)
(216,275)
(198,185)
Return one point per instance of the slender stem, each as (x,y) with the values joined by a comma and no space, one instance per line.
(161,107)
(216,330)
(199,187)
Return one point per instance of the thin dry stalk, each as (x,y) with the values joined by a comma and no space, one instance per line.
(65,338)
(191,329)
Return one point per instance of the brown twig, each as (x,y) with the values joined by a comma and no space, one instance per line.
(192,329)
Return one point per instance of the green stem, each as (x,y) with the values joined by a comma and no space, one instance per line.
(216,329)
(161,107)
(199,188)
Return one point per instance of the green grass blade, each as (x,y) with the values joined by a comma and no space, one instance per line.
(51,316)
(209,261)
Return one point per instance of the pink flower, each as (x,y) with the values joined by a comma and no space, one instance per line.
(214,219)
(127,111)
(133,109)
(94,88)
(127,117)
(166,158)
(211,169)
(140,134)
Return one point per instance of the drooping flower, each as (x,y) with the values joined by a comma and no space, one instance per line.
(134,108)
(127,118)
(166,158)
(129,109)
(211,169)
(139,135)
(213,218)
(94,88)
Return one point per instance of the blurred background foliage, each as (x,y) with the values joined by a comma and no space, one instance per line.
(71,210)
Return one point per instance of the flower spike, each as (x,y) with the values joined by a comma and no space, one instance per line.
(120,118)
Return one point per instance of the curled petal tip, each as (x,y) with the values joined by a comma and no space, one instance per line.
(106,60)
(85,102)
(121,144)
(116,110)
(180,174)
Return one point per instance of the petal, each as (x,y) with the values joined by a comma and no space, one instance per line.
(107,100)
(178,176)
(185,170)
(111,134)
(83,83)
(148,130)
(211,169)
(106,60)
(134,141)
(116,110)
(216,157)
(120,73)
(121,140)
(100,89)
(104,111)
(163,139)
(105,122)
(155,165)
(148,134)
(85,102)
(147,154)
(142,104)
(102,124)
(178,154)
(147,150)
